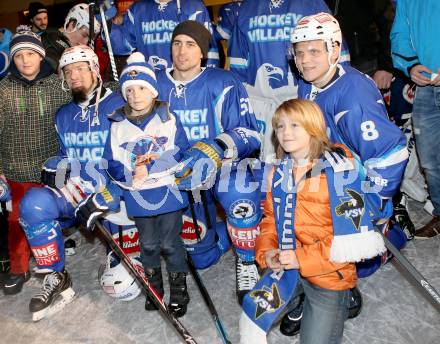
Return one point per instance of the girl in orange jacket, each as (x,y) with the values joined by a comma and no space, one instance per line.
(326,269)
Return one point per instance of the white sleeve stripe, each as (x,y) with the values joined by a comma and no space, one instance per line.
(130,16)
(237,61)
(393,159)
(339,115)
(223,33)
(213,55)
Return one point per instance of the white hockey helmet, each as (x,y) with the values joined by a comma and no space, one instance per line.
(79,53)
(116,281)
(318,26)
(80,13)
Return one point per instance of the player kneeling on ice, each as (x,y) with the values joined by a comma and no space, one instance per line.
(319,220)
(146,142)
(82,126)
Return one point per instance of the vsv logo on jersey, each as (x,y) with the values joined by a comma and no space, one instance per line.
(195,123)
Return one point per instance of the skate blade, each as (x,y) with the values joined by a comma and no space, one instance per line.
(63,299)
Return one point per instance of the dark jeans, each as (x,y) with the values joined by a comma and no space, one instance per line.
(161,233)
(426,123)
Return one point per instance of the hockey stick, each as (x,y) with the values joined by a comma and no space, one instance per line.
(109,45)
(208,301)
(91,42)
(203,291)
(405,263)
(151,292)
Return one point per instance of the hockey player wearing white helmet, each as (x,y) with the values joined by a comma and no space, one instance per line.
(77,23)
(82,128)
(356,116)
(74,32)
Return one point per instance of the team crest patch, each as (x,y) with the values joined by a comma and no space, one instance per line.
(243,208)
(133,74)
(267,300)
(353,208)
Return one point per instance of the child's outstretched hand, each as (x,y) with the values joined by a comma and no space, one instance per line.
(288,259)
(272,260)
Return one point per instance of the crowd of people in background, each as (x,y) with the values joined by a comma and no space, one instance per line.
(201,153)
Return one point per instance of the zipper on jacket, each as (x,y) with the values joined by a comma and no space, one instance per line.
(340,275)
(40,104)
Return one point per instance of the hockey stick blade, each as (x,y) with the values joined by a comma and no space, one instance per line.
(151,292)
(208,301)
(405,263)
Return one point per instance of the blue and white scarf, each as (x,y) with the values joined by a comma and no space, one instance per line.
(354,207)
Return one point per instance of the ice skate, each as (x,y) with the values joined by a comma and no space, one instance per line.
(55,294)
(247,276)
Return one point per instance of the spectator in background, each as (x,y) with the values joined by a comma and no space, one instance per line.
(5,38)
(415,52)
(38,17)
(148,26)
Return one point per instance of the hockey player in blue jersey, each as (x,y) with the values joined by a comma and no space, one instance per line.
(259,55)
(82,127)
(355,115)
(214,109)
(148,26)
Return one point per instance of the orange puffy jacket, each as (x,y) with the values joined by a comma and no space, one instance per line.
(314,235)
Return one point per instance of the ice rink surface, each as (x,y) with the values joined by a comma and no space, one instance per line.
(395,310)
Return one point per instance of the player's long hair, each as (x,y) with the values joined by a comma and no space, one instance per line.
(310,117)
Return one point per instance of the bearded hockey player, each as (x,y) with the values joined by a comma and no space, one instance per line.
(82,127)
(355,115)
(148,26)
(214,110)
(259,55)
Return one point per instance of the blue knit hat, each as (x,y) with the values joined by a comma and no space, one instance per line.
(26,40)
(138,72)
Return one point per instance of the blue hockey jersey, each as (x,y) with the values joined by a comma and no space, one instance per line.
(83,135)
(213,105)
(148,27)
(356,116)
(259,48)
(151,148)
(227,15)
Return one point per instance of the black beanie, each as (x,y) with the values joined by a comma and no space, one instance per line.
(196,31)
(36,8)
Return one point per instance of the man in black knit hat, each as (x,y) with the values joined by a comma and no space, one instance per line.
(38,17)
